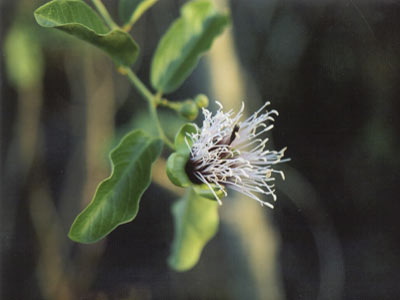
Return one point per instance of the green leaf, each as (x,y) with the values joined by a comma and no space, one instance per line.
(196,222)
(184,43)
(131,10)
(117,198)
(80,20)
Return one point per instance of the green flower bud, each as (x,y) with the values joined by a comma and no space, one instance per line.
(201,100)
(189,110)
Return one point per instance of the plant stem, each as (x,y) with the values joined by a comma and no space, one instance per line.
(104,13)
(152,100)
(142,89)
(153,111)
(171,105)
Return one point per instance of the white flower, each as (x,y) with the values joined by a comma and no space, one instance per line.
(227,152)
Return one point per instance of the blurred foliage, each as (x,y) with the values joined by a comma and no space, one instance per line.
(23,55)
(330,68)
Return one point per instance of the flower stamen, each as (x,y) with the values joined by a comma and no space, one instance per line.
(228,153)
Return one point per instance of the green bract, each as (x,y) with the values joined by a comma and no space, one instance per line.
(184,43)
(80,20)
(177,161)
(181,138)
(176,169)
(117,198)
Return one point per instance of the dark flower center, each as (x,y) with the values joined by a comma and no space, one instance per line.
(189,169)
(192,165)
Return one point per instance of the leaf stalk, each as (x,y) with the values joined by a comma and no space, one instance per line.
(104,13)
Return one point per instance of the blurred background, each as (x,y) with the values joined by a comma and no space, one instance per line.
(331,68)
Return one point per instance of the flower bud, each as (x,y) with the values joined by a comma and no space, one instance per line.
(201,100)
(189,110)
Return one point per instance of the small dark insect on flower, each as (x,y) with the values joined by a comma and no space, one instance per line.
(227,152)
